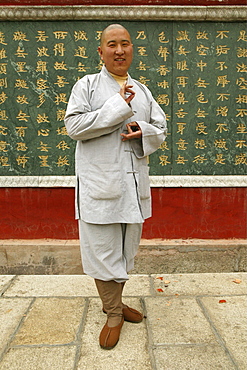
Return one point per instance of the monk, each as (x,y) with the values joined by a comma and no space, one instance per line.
(117,124)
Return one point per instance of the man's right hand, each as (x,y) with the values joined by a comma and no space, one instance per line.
(126,91)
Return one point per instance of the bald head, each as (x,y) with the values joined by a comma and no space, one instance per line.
(109,28)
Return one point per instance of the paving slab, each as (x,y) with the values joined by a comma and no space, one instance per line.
(39,358)
(192,358)
(131,351)
(52,285)
(200,284)
(177,321)
(4,281)
(12,312)
(230,321)
(70,286)
(51,321)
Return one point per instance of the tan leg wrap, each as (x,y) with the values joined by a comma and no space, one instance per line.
(110,293)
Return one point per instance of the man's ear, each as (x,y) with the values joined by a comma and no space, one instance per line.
(100,52)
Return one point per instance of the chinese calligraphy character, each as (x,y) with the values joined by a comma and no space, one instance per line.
(201,98)
(42,52)
(164,160)
(181,127)
(241,159)
(141,35)
(201,65)
(200,144)
(199,159)
(19,36)
(41,66)
(220,144)
(162,38)
(222,34)
(202,35)
(44,159)
(80,52)
(202,50)
(22,99)
(181,98)
(221,49)
(59,49)
(80,35)
(182,66)
(62,161)
(22,116)
(242,36)
(21,84)
(42,118)
(219,159)
(41,36)
(62,145)
(22,160)
(221,66)
(201,83)
(182,81)
(163,99)
(61,35)
(221,127)
(163,52)
(182,36)
(222,111)
(200,127)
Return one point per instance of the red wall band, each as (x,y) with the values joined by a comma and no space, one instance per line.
(204,213)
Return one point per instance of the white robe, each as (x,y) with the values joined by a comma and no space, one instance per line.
(112,175)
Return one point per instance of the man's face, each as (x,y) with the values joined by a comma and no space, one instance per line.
(116,51)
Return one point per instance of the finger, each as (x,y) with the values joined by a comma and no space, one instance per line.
(128,100)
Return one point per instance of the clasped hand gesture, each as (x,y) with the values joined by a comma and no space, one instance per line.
(134,131)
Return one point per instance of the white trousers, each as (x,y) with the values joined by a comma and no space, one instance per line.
(108,250)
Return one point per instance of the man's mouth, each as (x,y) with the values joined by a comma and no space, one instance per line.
(119,59)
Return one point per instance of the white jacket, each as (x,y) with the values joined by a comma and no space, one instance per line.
(112,175)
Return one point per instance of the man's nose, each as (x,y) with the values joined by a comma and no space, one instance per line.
(119,49)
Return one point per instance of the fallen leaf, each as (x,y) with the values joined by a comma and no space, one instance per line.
(168,303)
(166,281)
(160,290)
(237,281)
(222,301)
(160,277)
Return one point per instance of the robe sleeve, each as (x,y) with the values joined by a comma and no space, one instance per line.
(83,124)
(153,132)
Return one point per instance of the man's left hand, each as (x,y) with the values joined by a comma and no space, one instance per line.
(134,132)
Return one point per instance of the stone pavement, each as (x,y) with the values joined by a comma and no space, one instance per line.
(194,321)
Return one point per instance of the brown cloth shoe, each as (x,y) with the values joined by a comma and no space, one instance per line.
(131,315)
(109,336)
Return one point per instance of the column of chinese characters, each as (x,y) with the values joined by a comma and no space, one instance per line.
(201,100)
(4,132)
(241,99)
(182,67)
(163,50)
(22,117)
(223,96)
